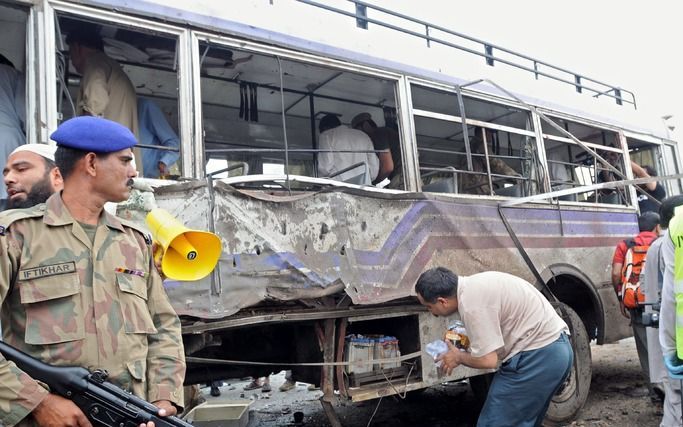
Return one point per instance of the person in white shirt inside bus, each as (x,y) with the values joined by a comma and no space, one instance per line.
(512,327)
(335,136)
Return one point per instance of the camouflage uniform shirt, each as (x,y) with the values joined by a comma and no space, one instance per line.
(69,301)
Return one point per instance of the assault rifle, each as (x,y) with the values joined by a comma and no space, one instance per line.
(104,404)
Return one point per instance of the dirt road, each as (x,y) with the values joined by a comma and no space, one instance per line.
(618,397)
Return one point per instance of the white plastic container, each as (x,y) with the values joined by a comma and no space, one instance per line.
(359,349)
(386,347)
(220,414)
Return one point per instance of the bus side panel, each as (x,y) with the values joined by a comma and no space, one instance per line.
(373,247)
(433,328)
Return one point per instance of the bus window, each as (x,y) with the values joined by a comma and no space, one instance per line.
(671,167)
(13,126)
(242,109)
(570,166)
(502,145)
(655,156)
(149,63)
(646,154)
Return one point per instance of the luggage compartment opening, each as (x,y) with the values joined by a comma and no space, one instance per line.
(373,348)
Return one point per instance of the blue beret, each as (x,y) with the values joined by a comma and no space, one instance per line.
(96,134)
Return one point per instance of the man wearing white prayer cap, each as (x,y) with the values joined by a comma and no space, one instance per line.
(31,175)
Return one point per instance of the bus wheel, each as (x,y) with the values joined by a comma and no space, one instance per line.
(571,396)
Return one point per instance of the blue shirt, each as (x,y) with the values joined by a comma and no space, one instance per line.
(12,112)
(155,130)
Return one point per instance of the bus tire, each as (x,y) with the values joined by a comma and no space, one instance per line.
(571,396)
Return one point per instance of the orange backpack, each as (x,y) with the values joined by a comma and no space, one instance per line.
(634,262)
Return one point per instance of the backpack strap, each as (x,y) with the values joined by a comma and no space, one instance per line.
(631,242)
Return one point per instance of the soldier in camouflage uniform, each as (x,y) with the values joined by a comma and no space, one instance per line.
(78,286)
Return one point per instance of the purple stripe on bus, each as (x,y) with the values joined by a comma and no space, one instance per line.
(452,220)
(526,213)
(394,274)
(430,224)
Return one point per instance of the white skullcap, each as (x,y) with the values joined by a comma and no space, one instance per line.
(47,151)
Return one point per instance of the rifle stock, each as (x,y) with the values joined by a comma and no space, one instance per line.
(101,401)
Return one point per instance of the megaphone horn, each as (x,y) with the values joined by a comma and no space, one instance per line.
(187,254)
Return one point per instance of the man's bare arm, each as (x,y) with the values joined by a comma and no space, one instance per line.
(455,357)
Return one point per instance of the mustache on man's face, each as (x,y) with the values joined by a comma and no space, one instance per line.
(130,183)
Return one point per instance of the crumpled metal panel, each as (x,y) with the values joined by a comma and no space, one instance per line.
(371,245)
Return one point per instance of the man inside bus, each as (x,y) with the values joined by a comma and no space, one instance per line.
(478,182)
(386,143)
(648,224)
(512,327)
(155,130)
(31,175)
(105,90)
(153,366)
(12,114)
(612,196)
(655,191)
(355,152)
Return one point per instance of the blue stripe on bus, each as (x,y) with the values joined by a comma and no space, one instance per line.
(433,220)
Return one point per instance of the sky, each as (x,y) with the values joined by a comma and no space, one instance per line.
(633,44)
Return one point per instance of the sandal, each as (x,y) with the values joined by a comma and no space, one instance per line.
(252,385)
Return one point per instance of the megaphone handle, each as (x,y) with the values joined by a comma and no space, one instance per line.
(158,255)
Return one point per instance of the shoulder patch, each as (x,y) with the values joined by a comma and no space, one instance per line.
(139,228)
(12,215)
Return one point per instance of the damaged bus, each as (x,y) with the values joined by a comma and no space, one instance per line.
(309,260)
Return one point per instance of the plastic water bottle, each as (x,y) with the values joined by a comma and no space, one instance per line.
(457,335)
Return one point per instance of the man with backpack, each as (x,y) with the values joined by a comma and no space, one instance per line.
(628,262)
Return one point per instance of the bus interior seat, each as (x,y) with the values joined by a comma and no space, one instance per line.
(510,191)
(445,185)
(448,184)
(242,166)
(361,175)
(610,199)
(360,179)
(569,198)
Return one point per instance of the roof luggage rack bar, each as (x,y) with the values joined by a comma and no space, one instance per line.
(580,82)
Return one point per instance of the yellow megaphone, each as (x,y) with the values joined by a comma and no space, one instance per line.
(187,254)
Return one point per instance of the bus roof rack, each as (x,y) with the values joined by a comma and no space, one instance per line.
(538,68)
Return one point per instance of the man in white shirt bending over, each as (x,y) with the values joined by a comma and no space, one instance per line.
(355,148)
(512,327)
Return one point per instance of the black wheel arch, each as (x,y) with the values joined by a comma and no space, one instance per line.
(574,288)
